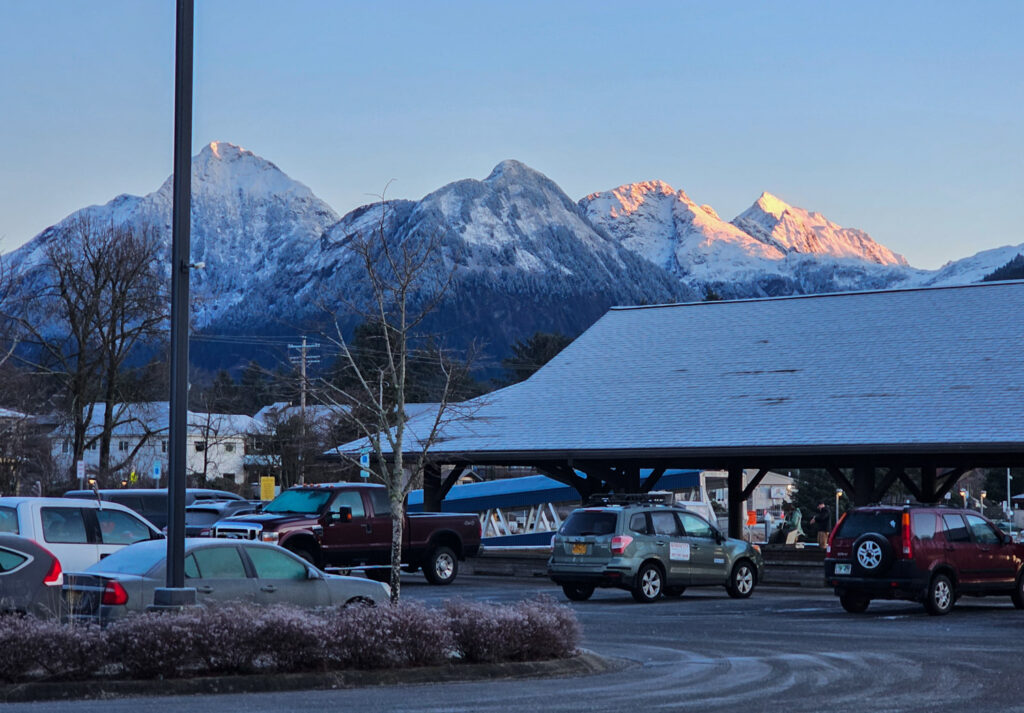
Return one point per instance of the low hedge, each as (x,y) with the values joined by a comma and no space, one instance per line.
(239,639)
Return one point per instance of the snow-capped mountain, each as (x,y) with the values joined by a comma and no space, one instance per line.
(795,230)
(970,269)
(249,219)
(772,248)
(525,256)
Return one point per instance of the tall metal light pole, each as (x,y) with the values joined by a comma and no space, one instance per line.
(174,594)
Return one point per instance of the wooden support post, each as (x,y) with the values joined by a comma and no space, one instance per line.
(928,493)
(842,482)
(882,488)
(736,514)
(947,480)
(863,484)
(432,488)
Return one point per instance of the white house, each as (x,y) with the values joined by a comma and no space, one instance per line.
(139,444)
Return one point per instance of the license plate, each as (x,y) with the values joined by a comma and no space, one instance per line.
(579,549)
(842,569)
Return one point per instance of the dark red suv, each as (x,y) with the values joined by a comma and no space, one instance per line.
(921,553)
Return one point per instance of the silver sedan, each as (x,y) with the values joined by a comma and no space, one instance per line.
(219,571)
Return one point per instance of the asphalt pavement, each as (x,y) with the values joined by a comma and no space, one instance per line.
(787,650)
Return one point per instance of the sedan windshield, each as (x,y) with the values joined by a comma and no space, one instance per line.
(306,502)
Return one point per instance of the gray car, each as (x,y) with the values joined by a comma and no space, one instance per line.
(30,577)
(650,547)
(220,571)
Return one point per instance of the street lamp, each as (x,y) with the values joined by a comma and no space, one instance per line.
(963,495)
(839,494)
(983,494)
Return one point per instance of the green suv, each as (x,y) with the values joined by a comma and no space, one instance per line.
(650,547)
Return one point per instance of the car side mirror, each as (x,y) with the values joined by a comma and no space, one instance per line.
(719,537)
(343,514)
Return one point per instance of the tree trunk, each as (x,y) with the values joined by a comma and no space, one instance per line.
(397,534)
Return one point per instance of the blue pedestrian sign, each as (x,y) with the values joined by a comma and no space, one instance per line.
(364,463)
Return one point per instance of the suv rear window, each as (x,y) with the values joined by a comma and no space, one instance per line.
(884,522)
(590,522)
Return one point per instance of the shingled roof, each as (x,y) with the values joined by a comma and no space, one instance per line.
(935,371)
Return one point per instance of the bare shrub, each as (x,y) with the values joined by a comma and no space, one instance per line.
(17,640)
(228,642)
(68,652)
(154,644)
(488,633)
(291,639)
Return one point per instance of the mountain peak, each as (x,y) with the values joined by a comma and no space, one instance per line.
(772,204)
(512,170)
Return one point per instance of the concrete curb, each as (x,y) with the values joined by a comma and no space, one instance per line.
(586,663)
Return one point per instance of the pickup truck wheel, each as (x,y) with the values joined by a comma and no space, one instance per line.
(305,554)
(441,566)
(578,592)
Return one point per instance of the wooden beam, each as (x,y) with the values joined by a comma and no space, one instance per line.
(946,481)
(754,482)
(886,483)
(652,480)
(736,500)
(451,479)
(841,481)
(917,492)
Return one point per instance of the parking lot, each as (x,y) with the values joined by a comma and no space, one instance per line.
(782,649)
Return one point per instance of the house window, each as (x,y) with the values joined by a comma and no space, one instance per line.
(200,446)
(65,447)
(229,448)
(163,446)
(122,446)
(93,446)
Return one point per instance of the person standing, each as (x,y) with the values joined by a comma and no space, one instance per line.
(822,519)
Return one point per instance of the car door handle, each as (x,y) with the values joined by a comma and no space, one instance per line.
(204,589)
(949,548)
(270,588)
(660,542)
(368,527)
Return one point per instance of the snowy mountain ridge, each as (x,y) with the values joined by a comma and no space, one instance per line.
(527,257)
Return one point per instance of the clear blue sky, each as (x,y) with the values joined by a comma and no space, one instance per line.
(903,119)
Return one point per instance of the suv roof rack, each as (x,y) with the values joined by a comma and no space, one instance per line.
(657,497)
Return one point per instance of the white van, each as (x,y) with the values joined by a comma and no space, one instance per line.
(78,532)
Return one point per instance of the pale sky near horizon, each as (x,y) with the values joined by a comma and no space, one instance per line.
(901,119)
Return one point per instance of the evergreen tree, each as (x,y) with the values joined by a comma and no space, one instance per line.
(531,354)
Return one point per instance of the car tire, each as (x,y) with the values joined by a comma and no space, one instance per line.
(855,602)
(742,580)
(649,583)
(578,592)
(872,554)
(674,592)
(441,566)
(940,596)
(1018,591)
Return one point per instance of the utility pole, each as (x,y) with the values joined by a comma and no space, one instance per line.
(303,359)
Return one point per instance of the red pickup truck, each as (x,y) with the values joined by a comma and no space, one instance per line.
(348,526)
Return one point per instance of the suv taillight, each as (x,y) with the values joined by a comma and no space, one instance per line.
(54,577)
(620,543)
(114,594)
(908,549)
(832,535)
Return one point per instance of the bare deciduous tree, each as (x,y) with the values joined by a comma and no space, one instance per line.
(97,295)
(404,281)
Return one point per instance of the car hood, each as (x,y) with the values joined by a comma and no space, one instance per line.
(275,518)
